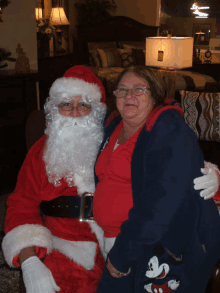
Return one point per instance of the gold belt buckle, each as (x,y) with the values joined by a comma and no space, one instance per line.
(83,207)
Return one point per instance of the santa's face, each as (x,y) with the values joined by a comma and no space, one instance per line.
(75,131)
(76,107)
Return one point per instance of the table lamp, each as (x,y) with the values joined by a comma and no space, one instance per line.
(169,54)
(173,52)
(58,17)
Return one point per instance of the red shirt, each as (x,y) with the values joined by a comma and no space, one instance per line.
(113,195)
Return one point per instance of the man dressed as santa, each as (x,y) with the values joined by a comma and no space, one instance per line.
(64,251)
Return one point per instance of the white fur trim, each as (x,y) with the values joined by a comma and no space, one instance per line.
(212,166)
(25,236)
(100,236)
(109,243)
(81,252)
(74,87)
(84,186)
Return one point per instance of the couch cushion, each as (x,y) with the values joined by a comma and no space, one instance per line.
(109,57)
(202,113)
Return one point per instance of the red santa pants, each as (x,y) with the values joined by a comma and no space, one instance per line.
(72,278)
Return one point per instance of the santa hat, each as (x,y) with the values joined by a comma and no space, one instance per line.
(78,81)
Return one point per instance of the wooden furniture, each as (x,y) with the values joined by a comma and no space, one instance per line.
(116,29)
(18,99)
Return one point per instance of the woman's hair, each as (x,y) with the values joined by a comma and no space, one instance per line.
(156,88)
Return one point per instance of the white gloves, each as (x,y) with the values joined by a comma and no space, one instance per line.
(209,181)
(37,277)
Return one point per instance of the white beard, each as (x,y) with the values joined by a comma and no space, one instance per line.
(71,149)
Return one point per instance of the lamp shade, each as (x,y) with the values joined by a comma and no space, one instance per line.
(38,13)
(58,16)
(175,52)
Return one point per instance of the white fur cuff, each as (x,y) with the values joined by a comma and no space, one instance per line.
(100,236)
(25,236)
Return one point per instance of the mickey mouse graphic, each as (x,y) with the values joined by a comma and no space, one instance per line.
(156,271)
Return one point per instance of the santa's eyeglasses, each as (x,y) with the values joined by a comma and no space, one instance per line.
(80,107)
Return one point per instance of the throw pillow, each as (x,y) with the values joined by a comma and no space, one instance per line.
(202,113)
(94,59)
(109,57)
(127,58)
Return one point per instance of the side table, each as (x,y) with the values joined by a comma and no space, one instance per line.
(18,99)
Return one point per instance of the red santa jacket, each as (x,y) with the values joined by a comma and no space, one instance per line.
(24,226)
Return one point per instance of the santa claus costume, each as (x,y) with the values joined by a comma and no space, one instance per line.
(57,170)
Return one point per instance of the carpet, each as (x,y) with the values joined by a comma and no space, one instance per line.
(9,278)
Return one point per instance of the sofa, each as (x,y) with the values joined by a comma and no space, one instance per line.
(202,113)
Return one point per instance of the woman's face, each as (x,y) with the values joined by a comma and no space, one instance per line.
(134,108)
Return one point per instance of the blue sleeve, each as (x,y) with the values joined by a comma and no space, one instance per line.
(171,160)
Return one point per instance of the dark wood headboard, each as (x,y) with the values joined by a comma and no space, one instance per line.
(117,28)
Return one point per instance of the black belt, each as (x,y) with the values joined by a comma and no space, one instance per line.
(70,207)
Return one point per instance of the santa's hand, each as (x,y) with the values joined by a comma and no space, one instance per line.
(37,277)
(209,182)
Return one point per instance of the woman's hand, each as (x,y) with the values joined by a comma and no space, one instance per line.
(114,272)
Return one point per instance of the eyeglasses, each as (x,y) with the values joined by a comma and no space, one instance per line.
(135,91)
(81,107)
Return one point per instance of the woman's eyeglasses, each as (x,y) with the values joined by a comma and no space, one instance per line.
(80,107)
(135,91)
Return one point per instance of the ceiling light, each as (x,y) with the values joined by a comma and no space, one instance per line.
(205,7)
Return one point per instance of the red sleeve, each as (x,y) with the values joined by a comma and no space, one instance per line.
(217,195)
(23,203)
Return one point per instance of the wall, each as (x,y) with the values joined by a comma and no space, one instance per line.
(144,11)
(19,26)
(184,25)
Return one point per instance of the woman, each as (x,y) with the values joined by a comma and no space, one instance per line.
(156,225)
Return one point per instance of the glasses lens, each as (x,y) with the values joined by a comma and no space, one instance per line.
(138,90)
(83,107)
(120,93)
(65,106)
